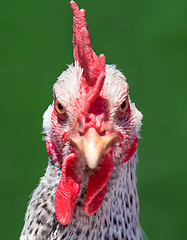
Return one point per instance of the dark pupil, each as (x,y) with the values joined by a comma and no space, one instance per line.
(123,105)
(60,107)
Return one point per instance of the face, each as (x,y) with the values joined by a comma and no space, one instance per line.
(89,144)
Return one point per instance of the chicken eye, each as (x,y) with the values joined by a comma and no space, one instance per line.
(123,106)
(59,108)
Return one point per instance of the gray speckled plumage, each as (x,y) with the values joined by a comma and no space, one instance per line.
(117,218)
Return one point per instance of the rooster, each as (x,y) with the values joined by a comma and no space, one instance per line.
(92,130)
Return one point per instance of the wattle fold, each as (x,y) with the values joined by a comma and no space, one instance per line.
(67,191)
(97,186)
(69,186)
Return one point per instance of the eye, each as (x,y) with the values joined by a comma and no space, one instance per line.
(60,109)
(124,105)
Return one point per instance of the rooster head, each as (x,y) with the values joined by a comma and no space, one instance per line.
(91,127)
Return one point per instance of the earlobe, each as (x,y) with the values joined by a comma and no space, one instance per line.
(52,151)
(131,151)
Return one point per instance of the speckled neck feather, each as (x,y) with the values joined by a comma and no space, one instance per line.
(117,218)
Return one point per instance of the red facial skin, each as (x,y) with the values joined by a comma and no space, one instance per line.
(129,141)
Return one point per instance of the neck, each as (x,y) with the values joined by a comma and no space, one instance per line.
(117,218)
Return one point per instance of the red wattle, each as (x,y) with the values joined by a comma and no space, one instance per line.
(67,191)
(97,186)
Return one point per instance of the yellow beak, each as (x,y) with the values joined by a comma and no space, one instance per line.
(92,146)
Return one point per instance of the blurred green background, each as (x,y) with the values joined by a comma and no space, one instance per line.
(148,42)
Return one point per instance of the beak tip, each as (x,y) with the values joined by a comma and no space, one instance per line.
(92,158)
(92,165)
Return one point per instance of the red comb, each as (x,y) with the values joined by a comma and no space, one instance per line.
(93,76)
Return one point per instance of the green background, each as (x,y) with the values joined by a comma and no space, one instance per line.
(147,40)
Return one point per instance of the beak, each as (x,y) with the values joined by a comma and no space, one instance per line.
(92,146)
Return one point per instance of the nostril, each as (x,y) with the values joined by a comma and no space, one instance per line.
(79,123)
(80,127)
(81,133)
(102,133)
